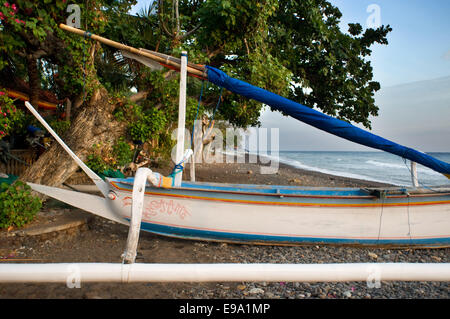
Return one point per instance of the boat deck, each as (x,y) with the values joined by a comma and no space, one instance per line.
(285,190)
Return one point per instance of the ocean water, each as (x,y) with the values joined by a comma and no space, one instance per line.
(373,166)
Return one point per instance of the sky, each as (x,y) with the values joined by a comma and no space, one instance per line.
(419,45)
(413,70)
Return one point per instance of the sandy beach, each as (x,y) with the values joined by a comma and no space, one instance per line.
(104,241)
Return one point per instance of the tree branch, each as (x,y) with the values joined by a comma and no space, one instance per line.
(215,52)
(192,31)
(39,54)
(246,45)
(169,75)
(139,96)
(161,22)
(177,17)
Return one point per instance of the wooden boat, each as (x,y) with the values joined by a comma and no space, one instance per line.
(262,214)
(271,214)
(290,215)
(277,214)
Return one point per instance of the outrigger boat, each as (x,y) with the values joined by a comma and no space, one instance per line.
(266,214)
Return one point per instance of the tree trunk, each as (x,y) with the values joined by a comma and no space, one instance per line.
(93,123)
(33,80)
(68,110)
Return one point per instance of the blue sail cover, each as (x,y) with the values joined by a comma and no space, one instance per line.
(324,122)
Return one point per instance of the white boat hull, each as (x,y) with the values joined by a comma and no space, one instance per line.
(184,213)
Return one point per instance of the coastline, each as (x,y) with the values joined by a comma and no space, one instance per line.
(281,174)
(243,171)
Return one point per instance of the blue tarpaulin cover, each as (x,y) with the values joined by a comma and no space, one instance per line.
(324,122)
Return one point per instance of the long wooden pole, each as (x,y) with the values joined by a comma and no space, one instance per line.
(170,61)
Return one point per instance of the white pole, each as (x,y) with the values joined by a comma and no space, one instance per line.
(181,116)
(415,180)
(192,169)
(140,181)
(128,273)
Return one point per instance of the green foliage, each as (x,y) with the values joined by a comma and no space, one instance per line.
(291,47)
(103,158)
(152,119)
(328,65)
(60,126)
(98,159)
(147,124)
(234,34)
(144,122)
(10,117)
(122,152)
(23,20)
(96,163)
(17,205)
(30,28)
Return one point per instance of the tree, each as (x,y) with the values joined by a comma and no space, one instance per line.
(293,48)
(305,36)
(282,46)
(29,32)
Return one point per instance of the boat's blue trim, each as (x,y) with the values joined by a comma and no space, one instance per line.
(261,189)
(276,189)
(188,233)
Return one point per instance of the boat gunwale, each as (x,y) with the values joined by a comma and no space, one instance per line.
(249,193)
(368,196)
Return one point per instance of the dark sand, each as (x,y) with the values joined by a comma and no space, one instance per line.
(250,173)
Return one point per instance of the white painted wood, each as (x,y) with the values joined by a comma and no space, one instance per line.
(129,273)
(369,223)
(181,116)
(140,180)
(315,222)
(94,204)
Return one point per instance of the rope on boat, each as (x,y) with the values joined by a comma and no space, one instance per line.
(198,107)
(421,184)
(178,168)
(217,106)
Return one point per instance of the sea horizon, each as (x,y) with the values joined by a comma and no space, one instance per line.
(376,166)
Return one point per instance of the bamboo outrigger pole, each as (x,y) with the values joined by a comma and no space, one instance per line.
(76,273)
(165,60)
